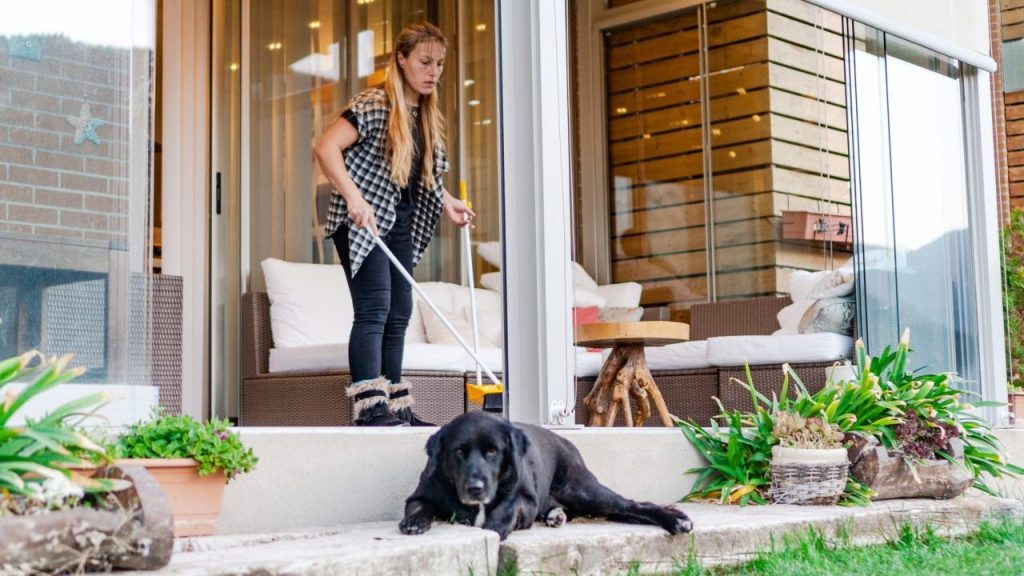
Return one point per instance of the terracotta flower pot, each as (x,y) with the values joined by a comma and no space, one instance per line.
(195,500)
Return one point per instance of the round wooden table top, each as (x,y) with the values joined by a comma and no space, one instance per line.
(653,333)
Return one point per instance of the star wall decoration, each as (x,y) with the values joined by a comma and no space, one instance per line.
(85,126)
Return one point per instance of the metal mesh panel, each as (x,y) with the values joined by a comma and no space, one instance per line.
(75,322)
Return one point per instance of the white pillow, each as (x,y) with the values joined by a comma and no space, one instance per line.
(790,316)
(438,333)
(801,282)
(621,294)
(581,278)
(832,285)
(582,297)
(491,281)
(490,252)
(309,303)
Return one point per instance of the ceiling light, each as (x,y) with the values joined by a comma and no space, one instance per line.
(474,102)
(315,24)
(481,27)
(468,82)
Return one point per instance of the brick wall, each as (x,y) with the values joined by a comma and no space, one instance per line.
(49,185)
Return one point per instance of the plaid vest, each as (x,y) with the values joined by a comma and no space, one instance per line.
(370,169)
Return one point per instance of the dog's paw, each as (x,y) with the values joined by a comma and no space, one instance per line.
(414,525)
(556,518)
(679,522)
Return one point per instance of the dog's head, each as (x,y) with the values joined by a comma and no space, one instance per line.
(479,454)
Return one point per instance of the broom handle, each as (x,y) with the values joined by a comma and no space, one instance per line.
(440,315)
(472,297)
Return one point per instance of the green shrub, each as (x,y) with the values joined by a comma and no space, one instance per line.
(1013,296)
(211,444)
(885,401)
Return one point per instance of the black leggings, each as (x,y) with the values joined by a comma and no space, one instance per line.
(382,301)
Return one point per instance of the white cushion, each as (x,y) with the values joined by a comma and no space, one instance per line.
(417,357)
(801,282)
(491,281)
(588,363)
(580,277)
(322,357)
(792,348)
(832,285)
(438,333)
(309,303)
(490,252)
(679,356)
(582,296)
(789,317)
(622,294)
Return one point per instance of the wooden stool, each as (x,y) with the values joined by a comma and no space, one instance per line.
(625,373)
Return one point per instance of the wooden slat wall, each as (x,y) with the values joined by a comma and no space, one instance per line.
(1014,102)
(1011,19)
(778,142)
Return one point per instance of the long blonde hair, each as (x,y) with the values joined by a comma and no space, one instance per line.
(400,145)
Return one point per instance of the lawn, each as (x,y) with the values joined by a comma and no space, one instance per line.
(997,548)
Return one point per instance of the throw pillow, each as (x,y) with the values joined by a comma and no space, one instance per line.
(790,316)
(801,282)
(834,284)
(490,252)
(829,315)
(581,295)
(622,314)
(309,303)
(438,333)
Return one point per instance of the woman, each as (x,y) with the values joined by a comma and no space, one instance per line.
(385,158)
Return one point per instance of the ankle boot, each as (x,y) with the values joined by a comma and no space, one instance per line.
(401,402)
(370,408)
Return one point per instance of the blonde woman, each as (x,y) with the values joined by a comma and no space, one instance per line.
(385,157)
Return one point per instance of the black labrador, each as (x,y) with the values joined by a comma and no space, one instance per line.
(486,472)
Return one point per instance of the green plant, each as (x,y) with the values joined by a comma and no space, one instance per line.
(1013,296)
(211,444)
(795,431)
(35,455)
(886,401)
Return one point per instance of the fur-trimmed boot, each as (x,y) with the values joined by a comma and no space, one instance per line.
(401,404)
(370,398)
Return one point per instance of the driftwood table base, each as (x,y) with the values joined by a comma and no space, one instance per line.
(625,376)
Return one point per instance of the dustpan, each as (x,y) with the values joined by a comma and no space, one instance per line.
(486,395)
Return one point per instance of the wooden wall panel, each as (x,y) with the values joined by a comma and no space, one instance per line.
(1014,106)
(778,142)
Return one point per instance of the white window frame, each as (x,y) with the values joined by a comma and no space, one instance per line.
(536,204)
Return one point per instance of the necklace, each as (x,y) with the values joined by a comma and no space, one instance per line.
(415,111)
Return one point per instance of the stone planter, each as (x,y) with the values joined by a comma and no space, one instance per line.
(195,500)
(892,476)
(132,532)
(808,476)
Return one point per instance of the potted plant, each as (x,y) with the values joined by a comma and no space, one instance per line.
(45,508)
(809,464)
(192,461)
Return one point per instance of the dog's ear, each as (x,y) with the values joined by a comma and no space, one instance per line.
(518,444)
(435,451)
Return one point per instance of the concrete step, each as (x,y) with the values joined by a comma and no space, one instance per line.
(722,535)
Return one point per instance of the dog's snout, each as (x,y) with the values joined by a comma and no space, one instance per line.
(475,487)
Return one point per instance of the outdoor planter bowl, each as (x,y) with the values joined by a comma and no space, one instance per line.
(808,476)
(892,477)
(133,534)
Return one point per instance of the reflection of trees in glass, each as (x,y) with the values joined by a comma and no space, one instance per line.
(1013,296)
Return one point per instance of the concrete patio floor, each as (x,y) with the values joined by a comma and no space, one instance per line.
(722,535)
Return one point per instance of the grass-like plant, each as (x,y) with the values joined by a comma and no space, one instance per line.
(41,450)
(211,444)
(881,401)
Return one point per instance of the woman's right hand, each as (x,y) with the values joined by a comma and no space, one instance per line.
(361,214)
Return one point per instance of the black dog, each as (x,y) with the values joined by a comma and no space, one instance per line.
(486,472)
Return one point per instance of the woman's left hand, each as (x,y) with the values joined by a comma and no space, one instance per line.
(457,211)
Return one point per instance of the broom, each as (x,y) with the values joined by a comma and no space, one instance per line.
(479,392)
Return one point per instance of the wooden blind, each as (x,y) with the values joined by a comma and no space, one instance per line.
(1011,19)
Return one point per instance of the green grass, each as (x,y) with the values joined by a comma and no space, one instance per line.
(996,549)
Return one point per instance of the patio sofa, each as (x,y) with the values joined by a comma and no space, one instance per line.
(723,337)
(306,387)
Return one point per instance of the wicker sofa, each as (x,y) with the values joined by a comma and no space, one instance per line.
(316,398)
(691,393)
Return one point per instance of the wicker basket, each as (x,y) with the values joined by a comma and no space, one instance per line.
(808,477)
